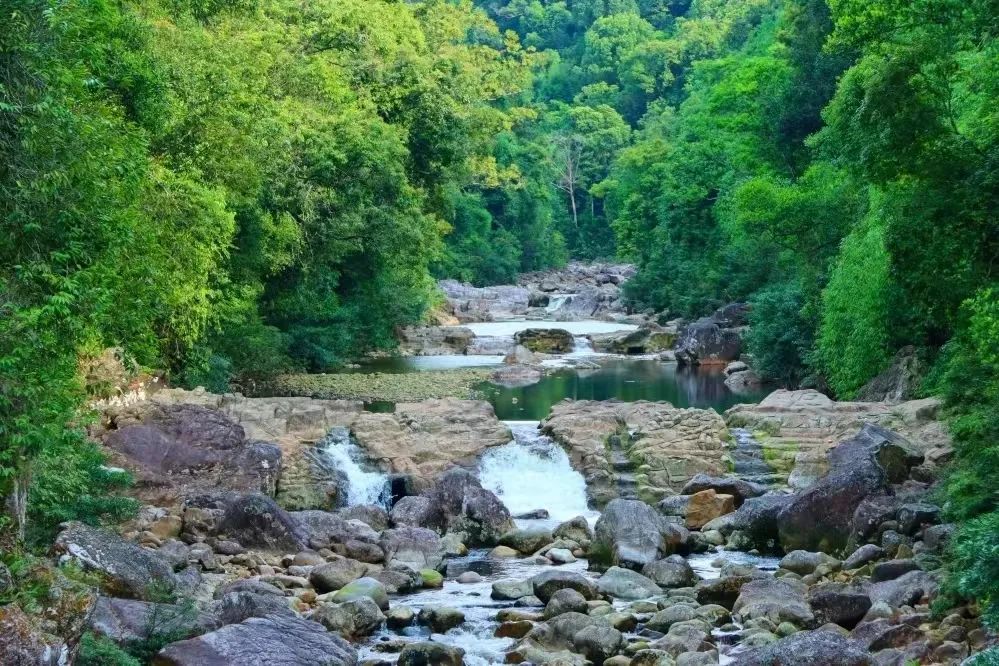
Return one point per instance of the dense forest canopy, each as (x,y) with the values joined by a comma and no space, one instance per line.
(227,189)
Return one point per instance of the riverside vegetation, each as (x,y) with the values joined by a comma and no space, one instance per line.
(226,191)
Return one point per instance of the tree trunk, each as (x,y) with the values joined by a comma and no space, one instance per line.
(17,500)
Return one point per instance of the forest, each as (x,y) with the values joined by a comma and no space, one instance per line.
(230,189)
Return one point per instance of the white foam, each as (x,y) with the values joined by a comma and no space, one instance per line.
(363,486)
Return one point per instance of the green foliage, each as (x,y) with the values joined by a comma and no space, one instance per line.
(102,651)
(780,334)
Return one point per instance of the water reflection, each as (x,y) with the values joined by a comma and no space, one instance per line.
(618,379)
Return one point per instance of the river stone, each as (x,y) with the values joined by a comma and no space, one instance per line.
(272,640)
(632,534)
(777,599)
(527,540)
(126,570)
(664,619)
(414,511)
(399,617)
(561,556)
(431,654)
(352,619)
(363,588)
(821,517)
(685,637)
(236,606)
(511,589)
(546,340)
(577,529)
(626,584)
(839,604)
(336,573)
(906,590)
(514,629)
(673,571)
(465,507)
(892,569)
(547,583)
(757,521)
(431,578)
(723,590)
(128,620)
(440,619)
(598,643)
(416,547)
(866,553)
(815,648)
(398,579)
(565,601)
(883,634)
(469,578)
(652,657)
(803,562)
(254,521)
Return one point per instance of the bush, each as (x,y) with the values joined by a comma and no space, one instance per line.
(102,651)
(779,336)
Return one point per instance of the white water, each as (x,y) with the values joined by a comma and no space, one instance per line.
(556,302)
(581,346)
(585,327)
(533,472)
(363,487)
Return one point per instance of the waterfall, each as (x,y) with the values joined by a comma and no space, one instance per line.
(557,301)
(533,472)
(342,454)
(581,346)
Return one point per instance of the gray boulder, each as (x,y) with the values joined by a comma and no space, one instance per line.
(803,562)
(598,643)
(440,619)
(704,342)
(527,540)
(776,599)
(363,588)
(431,654)
(463,505)
(566,600)
(253,520)
(626,584)
(673,571)
(352,619)
(866,553)
(414,511)
(547,583)
(740,489)
(271,640)
(757,521)
(416,547)
(815,648)
(632,534)
(336,573)
(128,620)
(838,604)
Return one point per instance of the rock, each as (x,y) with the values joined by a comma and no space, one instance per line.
(128,620)
(866,553)
(547,583)
(777,599)
(239,605)
(514,629)
(632,534)
(704,342)
(252,520)
(839,604)
(816,648)
(684,637)
(527,540)
(440,619)
(469,578)
(566,600)
(520,355)
(598,643)
(673,571)
(399,617)
(503,551)
(516,376)
(936,537)
(906,590)
(803,562)
(739,489)
(898,382)
(546,340)
(560,556)
(363,588)
(892,569)
(626,584)
(512,589)
(820,518)
(22,643)
(352,619)
(464,506)
(431,654)
(336,573)
(757,521)
(577,529)
(497,303)
(373,515)
(666,618)
(705,506)
(414,511)
(652,658)
(271,640)
(126,569)
(416,547)
(723,590)
(883,634)
(913,516)
(431,578)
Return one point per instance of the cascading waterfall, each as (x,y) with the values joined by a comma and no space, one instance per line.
(581,346)
(342,454)
(533,472)
(557,301)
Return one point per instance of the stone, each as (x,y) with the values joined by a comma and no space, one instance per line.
(363,588)
(547,583)
(253,520)
(464,506)
(863,555)
(673,571)
(520,355)
(431,654)
(527,540)
(352,619)
(839,604)
(414,511)
(560,556)
(820,518)
(440,619)
(503,551)
(776,599)
(336,573)
(546,340)
(803,562)
(632,534)
(469,578)
(23,643)
(511,589)
(683,637)
(906,590)
(892,569)
(576,529)
(416,547)
(565,601)
(398,579)
(757,521)
(598,643)
(723,590)
(705,506)
(911,517)
(704,342)
(936,537)
(626,584)
(431,578)
(126,569)
(399,617)
(667,617)
(371,514)
(128,620)
(739,489)
(514,629)
(271,640)
(882,634)
(896,383)
(816,648)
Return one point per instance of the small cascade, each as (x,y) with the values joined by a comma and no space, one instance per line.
(624,470)
(581,346)
(341,453)
(533,472)
(747,458)
(557,301)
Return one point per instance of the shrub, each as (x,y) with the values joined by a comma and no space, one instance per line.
(102,651)
(779,336)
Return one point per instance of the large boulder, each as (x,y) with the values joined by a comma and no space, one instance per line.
(352,619)
(471,304)
(816,648)
(547,583)
(129,620)
(336,573)
(776,599)
(757,521)
(272,640)
(431,654)
(546,340)
(322,529)
(461,504)
(632,534)
(839,604)
(898,382)
(22,643)
(416,547)
(739,489)
(252,520)
(704,342)
(673,571)
(627,584)
(820,518)
(126,570)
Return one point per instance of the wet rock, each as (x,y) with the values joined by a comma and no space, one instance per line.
(803,562)
(565,601)
(416,547)
(626,584)
(866,553)
(632,534)
(898,382)
(431,578)
(666,618)
(820,518)
(906,590)
(520,355)
(816,648)
(547,583)
(469,577)
(466,507)
(673,571)
(723,590)
(536,514)
(776,599)
(546,340)
(352,619)
(512,589)
(576,529)
(431,654)
(527,540)
(882,634)
(126,569)
(440,619)
(598,643)
(514,629)
(739,489)
(399,617)
(560,556)
(398,579)
(271,640)
(892,569)
(336,573)
(503,551)
(839,604)
(757,521)
(651,657)
(684,637)
(363,588)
